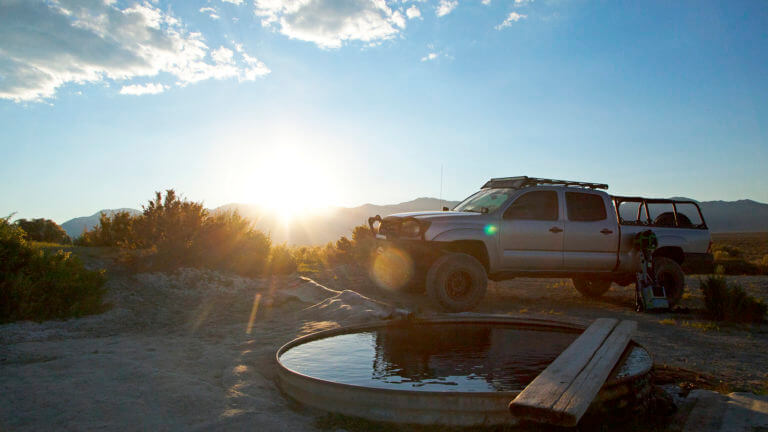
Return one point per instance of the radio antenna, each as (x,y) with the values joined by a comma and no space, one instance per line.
(441,186)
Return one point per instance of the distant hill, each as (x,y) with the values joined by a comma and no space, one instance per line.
(328,225)
(735,216)
(74,227)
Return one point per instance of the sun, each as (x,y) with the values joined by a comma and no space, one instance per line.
(288,183)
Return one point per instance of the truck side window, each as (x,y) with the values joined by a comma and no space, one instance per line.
(585,207)
(537,205)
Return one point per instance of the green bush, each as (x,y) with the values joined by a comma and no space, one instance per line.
(724,301)
(114,230)
(357,251)
(43,230)
(40,285)
(282,261)
(175,232)
(227,241)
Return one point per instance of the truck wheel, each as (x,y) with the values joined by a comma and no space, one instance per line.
(670,275)
(591,288)
(457,282)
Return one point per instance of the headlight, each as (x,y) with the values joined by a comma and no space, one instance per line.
(410,228)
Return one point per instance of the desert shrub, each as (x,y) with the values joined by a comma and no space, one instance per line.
(282,261)
(175,232)
(39,285)
(365,245)
(170,225)
(113,230)
(43,230)
(181,233)
(357,251)
(763,265)
(724,301)
(734,261)
(309,259)
(725,251)
(227,241)
(737,267)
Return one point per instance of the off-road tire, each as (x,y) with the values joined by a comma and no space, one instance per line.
(591,288)
(457,282)
(669,274)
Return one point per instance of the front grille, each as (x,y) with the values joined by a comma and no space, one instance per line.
(389,228)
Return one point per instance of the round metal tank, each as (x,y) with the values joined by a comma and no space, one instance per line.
(628,382)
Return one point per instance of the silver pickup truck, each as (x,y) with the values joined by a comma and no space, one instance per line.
(534,227)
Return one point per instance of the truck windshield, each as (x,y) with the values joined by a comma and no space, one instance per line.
(485,201)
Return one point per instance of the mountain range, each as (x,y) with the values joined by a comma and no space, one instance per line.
(328,225)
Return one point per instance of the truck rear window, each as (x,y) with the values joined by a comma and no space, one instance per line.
(585,207)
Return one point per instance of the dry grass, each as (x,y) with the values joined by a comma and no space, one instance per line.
(701,325)
(753,245)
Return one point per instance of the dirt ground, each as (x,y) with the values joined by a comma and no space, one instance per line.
(195,350)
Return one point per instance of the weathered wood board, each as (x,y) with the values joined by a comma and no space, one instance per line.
(561,394)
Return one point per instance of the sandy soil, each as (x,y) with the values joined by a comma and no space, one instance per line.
(180,351)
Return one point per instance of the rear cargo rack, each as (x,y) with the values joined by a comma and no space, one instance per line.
(674,219)
(520,182)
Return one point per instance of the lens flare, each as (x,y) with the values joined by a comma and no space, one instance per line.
(392,268)
(490,229)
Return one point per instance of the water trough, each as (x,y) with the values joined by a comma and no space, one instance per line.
(452,371)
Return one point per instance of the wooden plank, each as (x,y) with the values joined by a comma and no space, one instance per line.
(535,402)
(575,401)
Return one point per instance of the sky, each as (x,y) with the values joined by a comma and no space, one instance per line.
(344,102)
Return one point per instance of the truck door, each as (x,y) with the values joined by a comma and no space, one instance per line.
(531,233)
(591,232)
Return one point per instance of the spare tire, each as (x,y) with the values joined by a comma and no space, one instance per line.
(457,282)
(670,275)
(591,288)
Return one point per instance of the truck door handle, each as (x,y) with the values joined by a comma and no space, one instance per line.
(606,231)
(555,229)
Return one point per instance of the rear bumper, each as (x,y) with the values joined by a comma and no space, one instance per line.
(697,263)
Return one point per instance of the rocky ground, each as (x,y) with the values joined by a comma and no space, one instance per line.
(195,349)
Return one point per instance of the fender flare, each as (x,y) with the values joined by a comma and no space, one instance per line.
(472,234)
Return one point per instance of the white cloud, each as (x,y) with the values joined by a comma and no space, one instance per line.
(487,2)
(53,43)
(398,19)
(138,89)
(211,12)
(223,55)
(234,2)
(413,12)
(522,2)
(445,7)
(429,57)
(330,23)
(512,17)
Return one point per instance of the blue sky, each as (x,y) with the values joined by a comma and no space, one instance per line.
(350,101)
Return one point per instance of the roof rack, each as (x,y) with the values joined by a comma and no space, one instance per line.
(520,182)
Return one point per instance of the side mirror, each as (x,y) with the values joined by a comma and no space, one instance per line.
(445,208)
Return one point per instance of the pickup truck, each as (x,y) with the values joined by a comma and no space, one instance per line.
(533,227)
